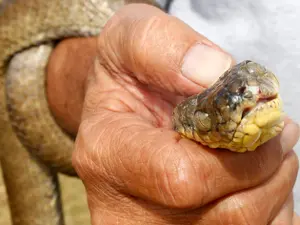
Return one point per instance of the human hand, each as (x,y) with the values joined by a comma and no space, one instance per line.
(136,170)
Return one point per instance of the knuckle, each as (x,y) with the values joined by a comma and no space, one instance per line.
(238,211)
(145,36)
(181,184)
(132,37)
(264,162)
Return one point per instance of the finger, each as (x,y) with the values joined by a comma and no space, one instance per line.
(286,213)
(258,205)
(292,134)
(160,50)
(157,165)
(296,219)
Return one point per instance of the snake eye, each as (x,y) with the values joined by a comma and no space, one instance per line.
(242,89)
(203,121)
(248,94)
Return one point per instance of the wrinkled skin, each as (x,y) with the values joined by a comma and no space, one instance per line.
(135,168)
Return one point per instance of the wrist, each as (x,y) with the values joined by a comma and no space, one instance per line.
(67,71)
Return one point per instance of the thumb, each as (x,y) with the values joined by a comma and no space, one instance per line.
(160,50)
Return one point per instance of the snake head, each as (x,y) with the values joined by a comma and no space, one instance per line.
(241,111)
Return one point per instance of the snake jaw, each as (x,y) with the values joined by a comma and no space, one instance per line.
(261,124)
(260,121)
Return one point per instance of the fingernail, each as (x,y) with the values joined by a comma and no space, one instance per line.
(289,137)
(203,64)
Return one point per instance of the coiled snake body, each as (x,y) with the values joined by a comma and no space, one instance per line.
(34,149)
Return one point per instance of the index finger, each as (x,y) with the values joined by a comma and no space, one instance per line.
(156,164)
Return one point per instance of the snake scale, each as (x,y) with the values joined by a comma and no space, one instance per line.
(34,149)
(239,112)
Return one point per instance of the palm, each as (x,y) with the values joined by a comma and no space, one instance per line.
(125,94)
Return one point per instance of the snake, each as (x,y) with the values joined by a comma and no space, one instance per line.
(241,111)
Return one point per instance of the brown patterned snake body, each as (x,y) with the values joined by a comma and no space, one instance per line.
(34,149)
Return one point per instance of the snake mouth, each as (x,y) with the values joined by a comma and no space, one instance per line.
(259,103)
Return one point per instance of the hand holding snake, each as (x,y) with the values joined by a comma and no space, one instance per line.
(119,102)
(129,158)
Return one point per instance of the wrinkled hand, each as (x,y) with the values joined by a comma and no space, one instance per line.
(136,170)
